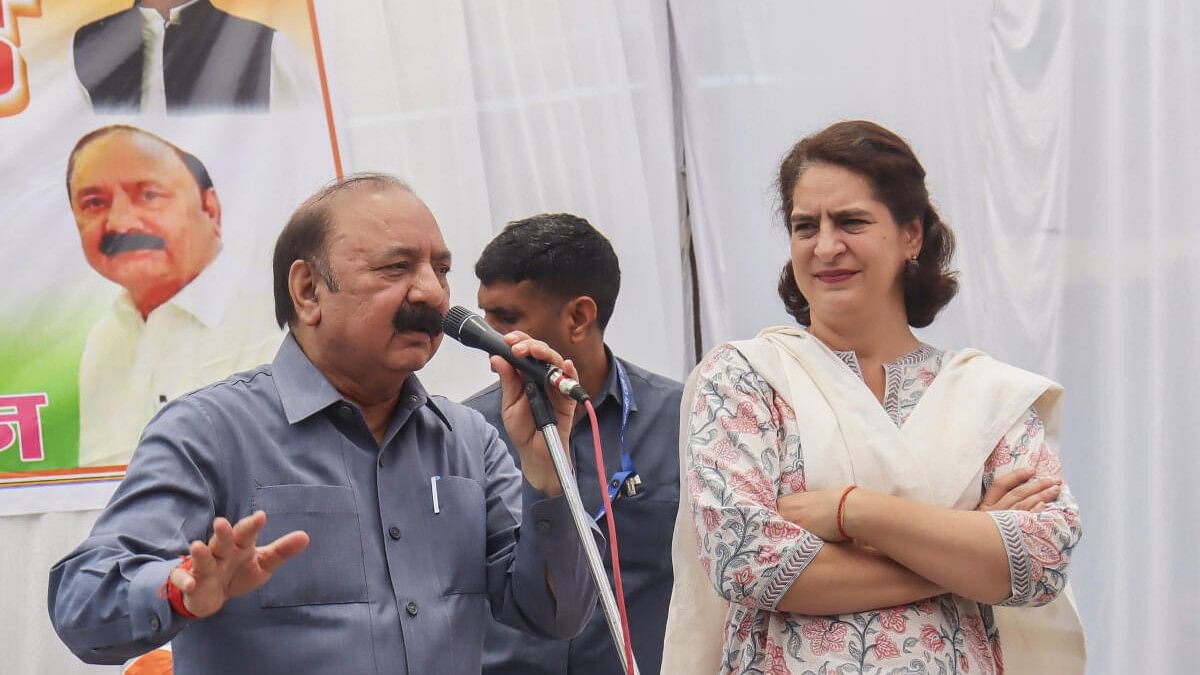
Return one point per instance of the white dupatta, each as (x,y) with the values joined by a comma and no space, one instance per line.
(937,458)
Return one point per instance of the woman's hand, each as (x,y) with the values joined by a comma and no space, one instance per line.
(1020,491)
(815,511)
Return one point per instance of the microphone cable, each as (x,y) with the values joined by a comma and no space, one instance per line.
(612,537)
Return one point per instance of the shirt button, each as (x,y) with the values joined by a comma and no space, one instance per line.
(344,411)
(394,532)
(155,624)
(543,527)
(411,608)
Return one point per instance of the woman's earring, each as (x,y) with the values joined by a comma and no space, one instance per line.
(912,265)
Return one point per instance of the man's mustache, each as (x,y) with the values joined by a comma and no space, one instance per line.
(116,243)
(422,318)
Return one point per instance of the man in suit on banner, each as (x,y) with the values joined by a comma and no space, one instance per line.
(188,55)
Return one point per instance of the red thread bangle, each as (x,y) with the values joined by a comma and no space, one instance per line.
(171,593)
(841,511)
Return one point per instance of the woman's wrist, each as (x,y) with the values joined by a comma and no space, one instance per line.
(839,515)
(853,514)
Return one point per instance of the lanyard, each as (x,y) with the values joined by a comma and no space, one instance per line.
(626,480)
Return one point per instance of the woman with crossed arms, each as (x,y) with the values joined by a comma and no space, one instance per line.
(860,501)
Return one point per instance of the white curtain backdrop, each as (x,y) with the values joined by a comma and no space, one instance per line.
(1130,323)
(498,110)
(1061,144)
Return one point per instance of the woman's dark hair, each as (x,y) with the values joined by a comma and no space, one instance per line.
(897,180)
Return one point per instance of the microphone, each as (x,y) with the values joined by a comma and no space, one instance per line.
(469,328)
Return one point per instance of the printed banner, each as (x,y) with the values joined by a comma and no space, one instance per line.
(150,154)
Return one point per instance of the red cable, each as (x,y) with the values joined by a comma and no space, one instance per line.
(612,537)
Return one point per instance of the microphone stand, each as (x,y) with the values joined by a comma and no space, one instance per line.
(544,419)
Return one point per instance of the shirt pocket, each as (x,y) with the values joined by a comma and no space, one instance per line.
(459,534)
(645,524)
(331,569)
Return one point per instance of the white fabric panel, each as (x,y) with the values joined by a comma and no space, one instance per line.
(1130,323)
(498,110)
(32,544)
(1016,249)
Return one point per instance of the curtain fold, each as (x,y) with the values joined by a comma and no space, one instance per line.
(500,110)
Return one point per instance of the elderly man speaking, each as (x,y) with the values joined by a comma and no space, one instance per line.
(336,518)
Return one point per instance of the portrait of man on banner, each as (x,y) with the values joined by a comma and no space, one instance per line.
(149,219)
(188,56)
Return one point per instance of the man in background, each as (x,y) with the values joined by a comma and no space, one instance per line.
(555,277)
(149,220)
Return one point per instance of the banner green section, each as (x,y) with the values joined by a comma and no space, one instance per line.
(45,360)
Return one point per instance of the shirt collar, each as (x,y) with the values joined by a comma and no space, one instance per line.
(612,384)
(177,13)
(209,295)
(304,391)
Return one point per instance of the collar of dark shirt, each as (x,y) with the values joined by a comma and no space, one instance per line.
(612,389)
(305,391)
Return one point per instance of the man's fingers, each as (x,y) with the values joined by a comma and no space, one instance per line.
(247,529)
(538,350)
(523,345)
(220,544)
(271,556)
(516,336)
(203,563)
(182,579)
(569,368)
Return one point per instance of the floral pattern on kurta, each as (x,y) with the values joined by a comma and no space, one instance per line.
(744,452)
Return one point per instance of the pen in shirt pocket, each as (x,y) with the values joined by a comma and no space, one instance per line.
(433,490)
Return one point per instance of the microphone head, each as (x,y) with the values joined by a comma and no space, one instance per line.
(454,321)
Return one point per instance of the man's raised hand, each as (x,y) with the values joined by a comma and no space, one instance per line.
(231,564)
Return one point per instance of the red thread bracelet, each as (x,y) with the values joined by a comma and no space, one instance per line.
(171,593)
(841,511)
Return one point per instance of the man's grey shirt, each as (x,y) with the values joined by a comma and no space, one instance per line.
(644,523)
(388,584)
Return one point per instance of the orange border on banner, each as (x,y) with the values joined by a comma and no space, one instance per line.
(16,100)
(333,142)
(89,474)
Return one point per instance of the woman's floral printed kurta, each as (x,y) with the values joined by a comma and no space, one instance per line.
(744,452)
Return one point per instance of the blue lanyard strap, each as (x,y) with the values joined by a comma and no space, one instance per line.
(625,481)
